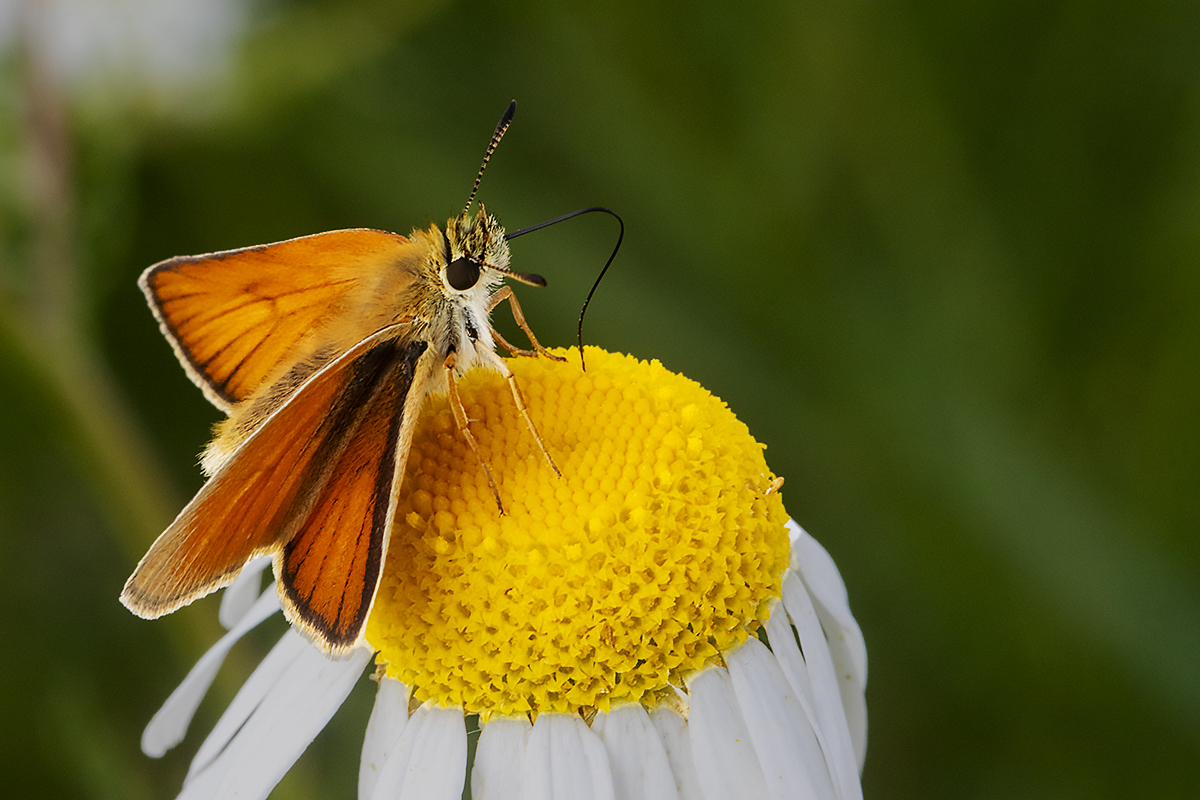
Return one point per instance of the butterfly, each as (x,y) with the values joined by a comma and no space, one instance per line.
(321,351)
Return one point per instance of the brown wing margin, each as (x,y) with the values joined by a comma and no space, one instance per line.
(329,570)
(235,317)
(266,487)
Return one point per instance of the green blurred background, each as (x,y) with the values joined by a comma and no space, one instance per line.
(942,257)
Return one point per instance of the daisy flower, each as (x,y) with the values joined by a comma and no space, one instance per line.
(649,625)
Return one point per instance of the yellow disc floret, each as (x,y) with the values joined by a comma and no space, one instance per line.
(659,548)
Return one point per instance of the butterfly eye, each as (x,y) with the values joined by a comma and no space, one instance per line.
(462,273)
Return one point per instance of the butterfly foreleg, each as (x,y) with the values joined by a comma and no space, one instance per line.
(503,369)
(460,418)
(506,293)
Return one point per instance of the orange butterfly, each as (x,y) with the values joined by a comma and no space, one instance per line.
(321,350)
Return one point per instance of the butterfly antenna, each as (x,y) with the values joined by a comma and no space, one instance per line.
(501,127)
(607,264)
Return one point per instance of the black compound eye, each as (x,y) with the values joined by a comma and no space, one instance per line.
(462,273)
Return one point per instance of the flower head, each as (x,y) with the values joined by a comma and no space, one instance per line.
(658,549)
(648,625)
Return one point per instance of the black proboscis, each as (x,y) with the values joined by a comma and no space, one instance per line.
(607,264)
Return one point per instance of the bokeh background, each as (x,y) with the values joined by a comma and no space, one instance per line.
(942,257)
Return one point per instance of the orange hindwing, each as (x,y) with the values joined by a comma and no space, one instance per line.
(323,464)
(329,568)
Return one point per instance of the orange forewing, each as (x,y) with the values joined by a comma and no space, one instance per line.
(236,317)
(266,490)
(329,570)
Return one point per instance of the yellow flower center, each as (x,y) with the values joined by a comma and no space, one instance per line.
(657,550)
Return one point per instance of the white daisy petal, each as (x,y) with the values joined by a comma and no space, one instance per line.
(673,730)
(854,700)
(791,661)
(787,749)
(566,761)
(829,594)
(827,697)
(640,770)
(388,718)
(248,698)
(168,727)
(500,760)
(240,595)
(846,644)
(299,703)
(726,763)
(787,651)
(429,762)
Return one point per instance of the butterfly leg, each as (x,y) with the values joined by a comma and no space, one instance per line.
(460,418)
(512,349)
(503,369)
(506,293)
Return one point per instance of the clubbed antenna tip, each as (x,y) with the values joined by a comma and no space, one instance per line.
(501,127)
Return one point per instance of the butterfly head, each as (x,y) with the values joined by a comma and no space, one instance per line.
(476,253)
